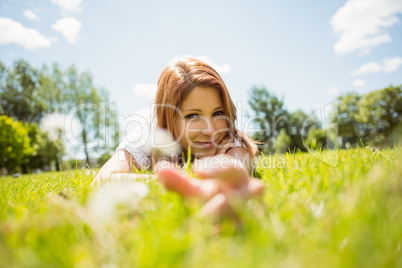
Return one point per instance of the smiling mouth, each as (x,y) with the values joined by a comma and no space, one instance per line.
(208,145)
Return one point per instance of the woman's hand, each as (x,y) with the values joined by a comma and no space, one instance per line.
(225,184)
(225,145)
(120,162)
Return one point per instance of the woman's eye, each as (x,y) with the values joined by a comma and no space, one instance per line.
(218,113)
(191,116)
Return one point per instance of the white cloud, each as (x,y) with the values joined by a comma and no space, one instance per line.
(30,15)
(69,27)
(370,67)
(359,83)
(54,39)
(68,5)
(221,69)
(14,32)
(333,91)
(388,65)
(392,64)
(361,24)
(145,90)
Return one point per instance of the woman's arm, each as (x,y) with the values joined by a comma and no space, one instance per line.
(241,154)
(121,162)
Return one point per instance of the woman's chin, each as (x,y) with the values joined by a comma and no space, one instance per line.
(204,153)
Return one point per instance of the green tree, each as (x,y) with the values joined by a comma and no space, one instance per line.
(3,83)
(19,97)
(15,147)
(298,125)
(50,85)
(380,112)
(270,116)
(347,118)
(283,142)
(89,106)
(316,138)
(46,153)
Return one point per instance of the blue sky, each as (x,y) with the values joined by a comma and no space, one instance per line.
(308,51)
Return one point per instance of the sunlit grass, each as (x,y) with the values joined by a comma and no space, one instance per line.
(312,215)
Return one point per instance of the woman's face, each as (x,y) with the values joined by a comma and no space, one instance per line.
(202,123)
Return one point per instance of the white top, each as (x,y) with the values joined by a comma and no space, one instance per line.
(137,143)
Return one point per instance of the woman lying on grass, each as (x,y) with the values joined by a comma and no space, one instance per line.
(193,104)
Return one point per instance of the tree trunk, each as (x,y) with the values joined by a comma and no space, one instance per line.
(84,139)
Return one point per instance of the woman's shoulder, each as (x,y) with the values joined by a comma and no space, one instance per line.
(136,143)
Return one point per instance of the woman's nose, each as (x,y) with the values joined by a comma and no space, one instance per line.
(208,127)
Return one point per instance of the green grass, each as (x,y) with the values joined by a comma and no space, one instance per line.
(312,215)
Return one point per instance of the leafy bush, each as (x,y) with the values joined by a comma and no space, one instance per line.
(316,138)
(15,147)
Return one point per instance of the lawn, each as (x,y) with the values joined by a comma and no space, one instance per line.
(325,210)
